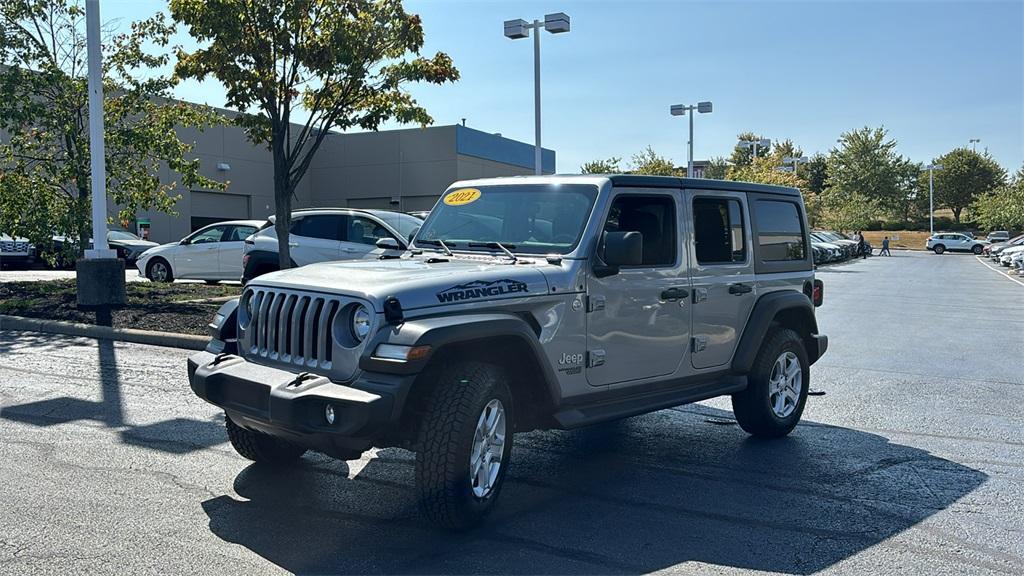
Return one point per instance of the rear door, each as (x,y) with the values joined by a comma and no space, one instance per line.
(722,274)
(316,238)
(230,253)
(638,321)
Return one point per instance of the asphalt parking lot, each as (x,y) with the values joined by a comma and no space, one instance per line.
(911,463)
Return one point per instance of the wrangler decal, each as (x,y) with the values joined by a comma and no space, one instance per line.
(480,289)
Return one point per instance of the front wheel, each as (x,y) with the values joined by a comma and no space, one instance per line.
(262,448)
(939,249)
(465,444)
(159,271)
(977,249)
(777,387)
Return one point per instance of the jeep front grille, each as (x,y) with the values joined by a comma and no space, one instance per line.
(291,328)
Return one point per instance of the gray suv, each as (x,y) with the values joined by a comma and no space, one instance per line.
(524,303)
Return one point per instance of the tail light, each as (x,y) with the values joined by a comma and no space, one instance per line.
(818,293)
(245,260)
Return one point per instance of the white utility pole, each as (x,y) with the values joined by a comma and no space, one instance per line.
(97,152)
(931,168)
(554,23)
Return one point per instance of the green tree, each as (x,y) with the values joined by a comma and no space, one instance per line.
(815,173)
(765,170)
(1002,208)
(743,157)
(649,162)
(609,166)
(717,168)
(866,163)
(44,157)
(840,211)
(964,176)
(326,64)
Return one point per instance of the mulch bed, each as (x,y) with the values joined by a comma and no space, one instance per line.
(150,306)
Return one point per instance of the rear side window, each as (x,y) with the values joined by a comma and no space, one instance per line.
(780,234)
(718,231)
(323,226)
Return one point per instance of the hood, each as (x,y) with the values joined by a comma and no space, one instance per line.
(1011,250)
(160,248)
(134,243)
(415,282)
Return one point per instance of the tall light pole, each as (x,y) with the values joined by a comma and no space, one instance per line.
(556,24)
(931,168)
(754,144)
(97,154)
(974,144)
(796,161)
(681,109)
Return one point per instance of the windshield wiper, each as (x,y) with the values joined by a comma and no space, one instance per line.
(438,242)
(496,245)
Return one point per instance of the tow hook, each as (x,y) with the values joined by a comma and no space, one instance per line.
(300,379)
(220,358)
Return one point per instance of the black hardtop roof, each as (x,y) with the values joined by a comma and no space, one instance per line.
(707,184)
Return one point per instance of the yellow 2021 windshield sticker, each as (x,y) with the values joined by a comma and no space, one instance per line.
(461,196)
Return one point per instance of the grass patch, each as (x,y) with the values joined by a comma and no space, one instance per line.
(150,306)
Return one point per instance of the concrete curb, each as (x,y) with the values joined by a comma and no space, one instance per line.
(186,341)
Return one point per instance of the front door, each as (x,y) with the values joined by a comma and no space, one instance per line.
(231,248)
(638,321)
(198,258)
(361,239)
(722,273)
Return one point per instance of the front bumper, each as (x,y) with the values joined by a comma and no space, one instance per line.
(292,406)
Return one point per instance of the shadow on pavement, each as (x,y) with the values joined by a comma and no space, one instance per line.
(635,496)
(178,435)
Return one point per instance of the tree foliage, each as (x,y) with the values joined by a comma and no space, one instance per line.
(837,210)
(609,166)
(326,64)
(44,158)
(965,175)
(743,157)
(815,173)
(866,163)
(717,168)
(649,162)
(1003,207)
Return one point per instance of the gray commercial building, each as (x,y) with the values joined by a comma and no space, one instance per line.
(404,170)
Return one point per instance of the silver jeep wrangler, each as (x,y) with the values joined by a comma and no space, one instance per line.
(525,303)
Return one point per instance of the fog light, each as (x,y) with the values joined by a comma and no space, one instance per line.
(329,414)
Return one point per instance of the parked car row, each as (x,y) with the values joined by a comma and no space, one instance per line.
(829,246)
(1009,253)
(245,249)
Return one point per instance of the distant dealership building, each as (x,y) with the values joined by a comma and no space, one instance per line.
(404,170)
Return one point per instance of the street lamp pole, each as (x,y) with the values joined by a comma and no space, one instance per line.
(681,109)
(931,168)
(753,144)
(97,163)
(974,144)
(554,23)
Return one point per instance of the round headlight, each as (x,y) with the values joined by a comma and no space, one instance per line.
(360,322)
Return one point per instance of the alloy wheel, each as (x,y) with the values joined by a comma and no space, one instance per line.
(785,384)
(488,449)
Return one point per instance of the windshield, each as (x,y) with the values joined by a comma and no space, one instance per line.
(527,218)
(403,223)
(121,235)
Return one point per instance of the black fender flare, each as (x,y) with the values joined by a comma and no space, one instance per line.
(258,258)
(765,310)
(440,332)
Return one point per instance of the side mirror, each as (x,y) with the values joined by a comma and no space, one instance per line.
(388,244)
(620,249)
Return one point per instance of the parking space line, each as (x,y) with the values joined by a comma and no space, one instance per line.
(1011,278)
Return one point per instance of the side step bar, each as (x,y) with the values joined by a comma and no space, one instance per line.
(602,411)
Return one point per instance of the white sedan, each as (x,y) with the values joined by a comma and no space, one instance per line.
(212,253)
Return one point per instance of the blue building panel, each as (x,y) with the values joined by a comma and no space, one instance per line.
(479,144)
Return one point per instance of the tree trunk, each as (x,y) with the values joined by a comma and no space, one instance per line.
(956,214)
(282,199)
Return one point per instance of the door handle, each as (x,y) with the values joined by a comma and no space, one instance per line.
(740,289)
(675,293)
(293,244)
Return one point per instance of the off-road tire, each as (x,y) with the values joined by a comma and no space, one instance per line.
(165,263)
(939,249)
(261,448)
(452,410)
(977,249)
(752,407)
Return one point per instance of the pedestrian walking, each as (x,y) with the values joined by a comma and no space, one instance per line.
(885,247)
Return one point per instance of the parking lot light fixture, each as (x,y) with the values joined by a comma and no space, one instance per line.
(682,109)
(931,168)
(555,23)
(796,161)
(764,143)
(974,144)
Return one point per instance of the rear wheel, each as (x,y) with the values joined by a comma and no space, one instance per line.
(465,444)
(777,387)
(939,249)
(261,448)
(977,249)
(159,270)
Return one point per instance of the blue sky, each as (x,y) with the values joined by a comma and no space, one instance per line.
(934,73)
